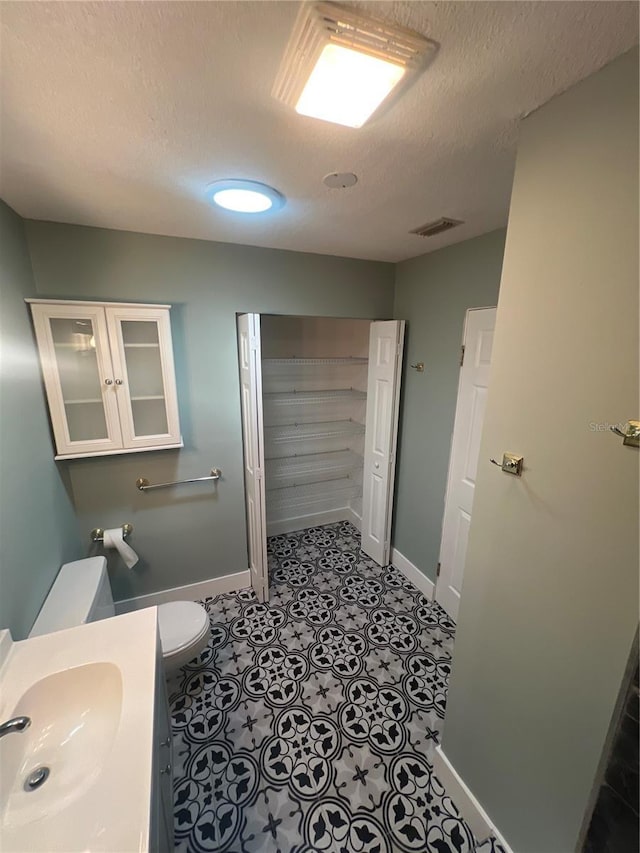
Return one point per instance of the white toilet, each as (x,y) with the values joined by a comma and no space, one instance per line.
(82,593)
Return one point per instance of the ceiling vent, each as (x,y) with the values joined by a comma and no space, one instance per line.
(436,227)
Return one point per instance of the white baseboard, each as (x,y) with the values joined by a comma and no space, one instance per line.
(316,519)
(190,592)
(479,821)
(412,573)
(354,518)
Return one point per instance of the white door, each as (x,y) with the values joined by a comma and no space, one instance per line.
(463,464)
(79,377)
(252,436)
(386,341)
(145,382)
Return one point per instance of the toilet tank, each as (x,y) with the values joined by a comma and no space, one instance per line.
(80,593)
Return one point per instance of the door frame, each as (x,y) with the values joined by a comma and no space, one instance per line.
(392,478)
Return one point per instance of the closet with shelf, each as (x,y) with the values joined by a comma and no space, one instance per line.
(319,407)
(314,393)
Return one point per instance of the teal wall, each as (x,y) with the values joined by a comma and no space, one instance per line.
(38,529)
(198,532)
(433,293)
(195,532)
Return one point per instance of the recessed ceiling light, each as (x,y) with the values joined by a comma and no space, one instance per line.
(245,196)
(340,66)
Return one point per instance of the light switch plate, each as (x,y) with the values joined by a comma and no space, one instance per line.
(512,464)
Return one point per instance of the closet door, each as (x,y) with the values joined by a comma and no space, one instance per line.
(252,435)
(465,448)
(386,342)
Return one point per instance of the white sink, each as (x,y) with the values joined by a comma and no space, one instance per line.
(74,718)
(90,694)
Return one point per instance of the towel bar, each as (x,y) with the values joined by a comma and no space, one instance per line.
(144,485)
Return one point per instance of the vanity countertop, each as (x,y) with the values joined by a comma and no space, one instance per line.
(89,692)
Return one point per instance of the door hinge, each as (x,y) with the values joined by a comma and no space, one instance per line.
(461,355)
(438,567)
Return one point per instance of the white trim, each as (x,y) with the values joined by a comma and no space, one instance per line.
(302,522)
(33,301)
(354,518)
(190,592)
(62,456)
(479,821)
(412,573)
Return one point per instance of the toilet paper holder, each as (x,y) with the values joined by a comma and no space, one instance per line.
(97,534)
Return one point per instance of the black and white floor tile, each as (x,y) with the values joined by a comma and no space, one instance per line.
(309,723)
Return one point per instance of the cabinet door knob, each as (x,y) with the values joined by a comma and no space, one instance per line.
(108,381)
(118,381)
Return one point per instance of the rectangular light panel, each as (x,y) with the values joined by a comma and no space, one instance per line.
(347,86)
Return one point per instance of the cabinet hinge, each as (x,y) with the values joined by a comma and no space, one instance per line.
(461,355)
(438,570)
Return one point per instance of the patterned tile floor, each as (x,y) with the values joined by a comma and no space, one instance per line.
(309,723)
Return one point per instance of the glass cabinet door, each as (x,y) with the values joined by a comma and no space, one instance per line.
(78,377)
(141,342)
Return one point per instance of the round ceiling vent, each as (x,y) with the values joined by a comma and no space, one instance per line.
(340,180)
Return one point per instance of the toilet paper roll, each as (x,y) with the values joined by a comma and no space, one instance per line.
(113,539)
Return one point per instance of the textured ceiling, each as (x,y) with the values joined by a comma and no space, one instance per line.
(119,115)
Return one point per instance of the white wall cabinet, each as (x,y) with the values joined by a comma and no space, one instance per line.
(109,376)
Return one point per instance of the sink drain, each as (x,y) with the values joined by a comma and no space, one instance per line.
(36,778)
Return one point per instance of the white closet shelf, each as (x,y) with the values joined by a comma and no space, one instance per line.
(310,468)
(321,396)
(313,361)
(80,402)
(142,346)
(304,432)
(147,397)
(308,493)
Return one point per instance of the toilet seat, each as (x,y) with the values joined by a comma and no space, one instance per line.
(184,631)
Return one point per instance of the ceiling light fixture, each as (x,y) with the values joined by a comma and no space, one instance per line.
(243,196)
(340,66)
